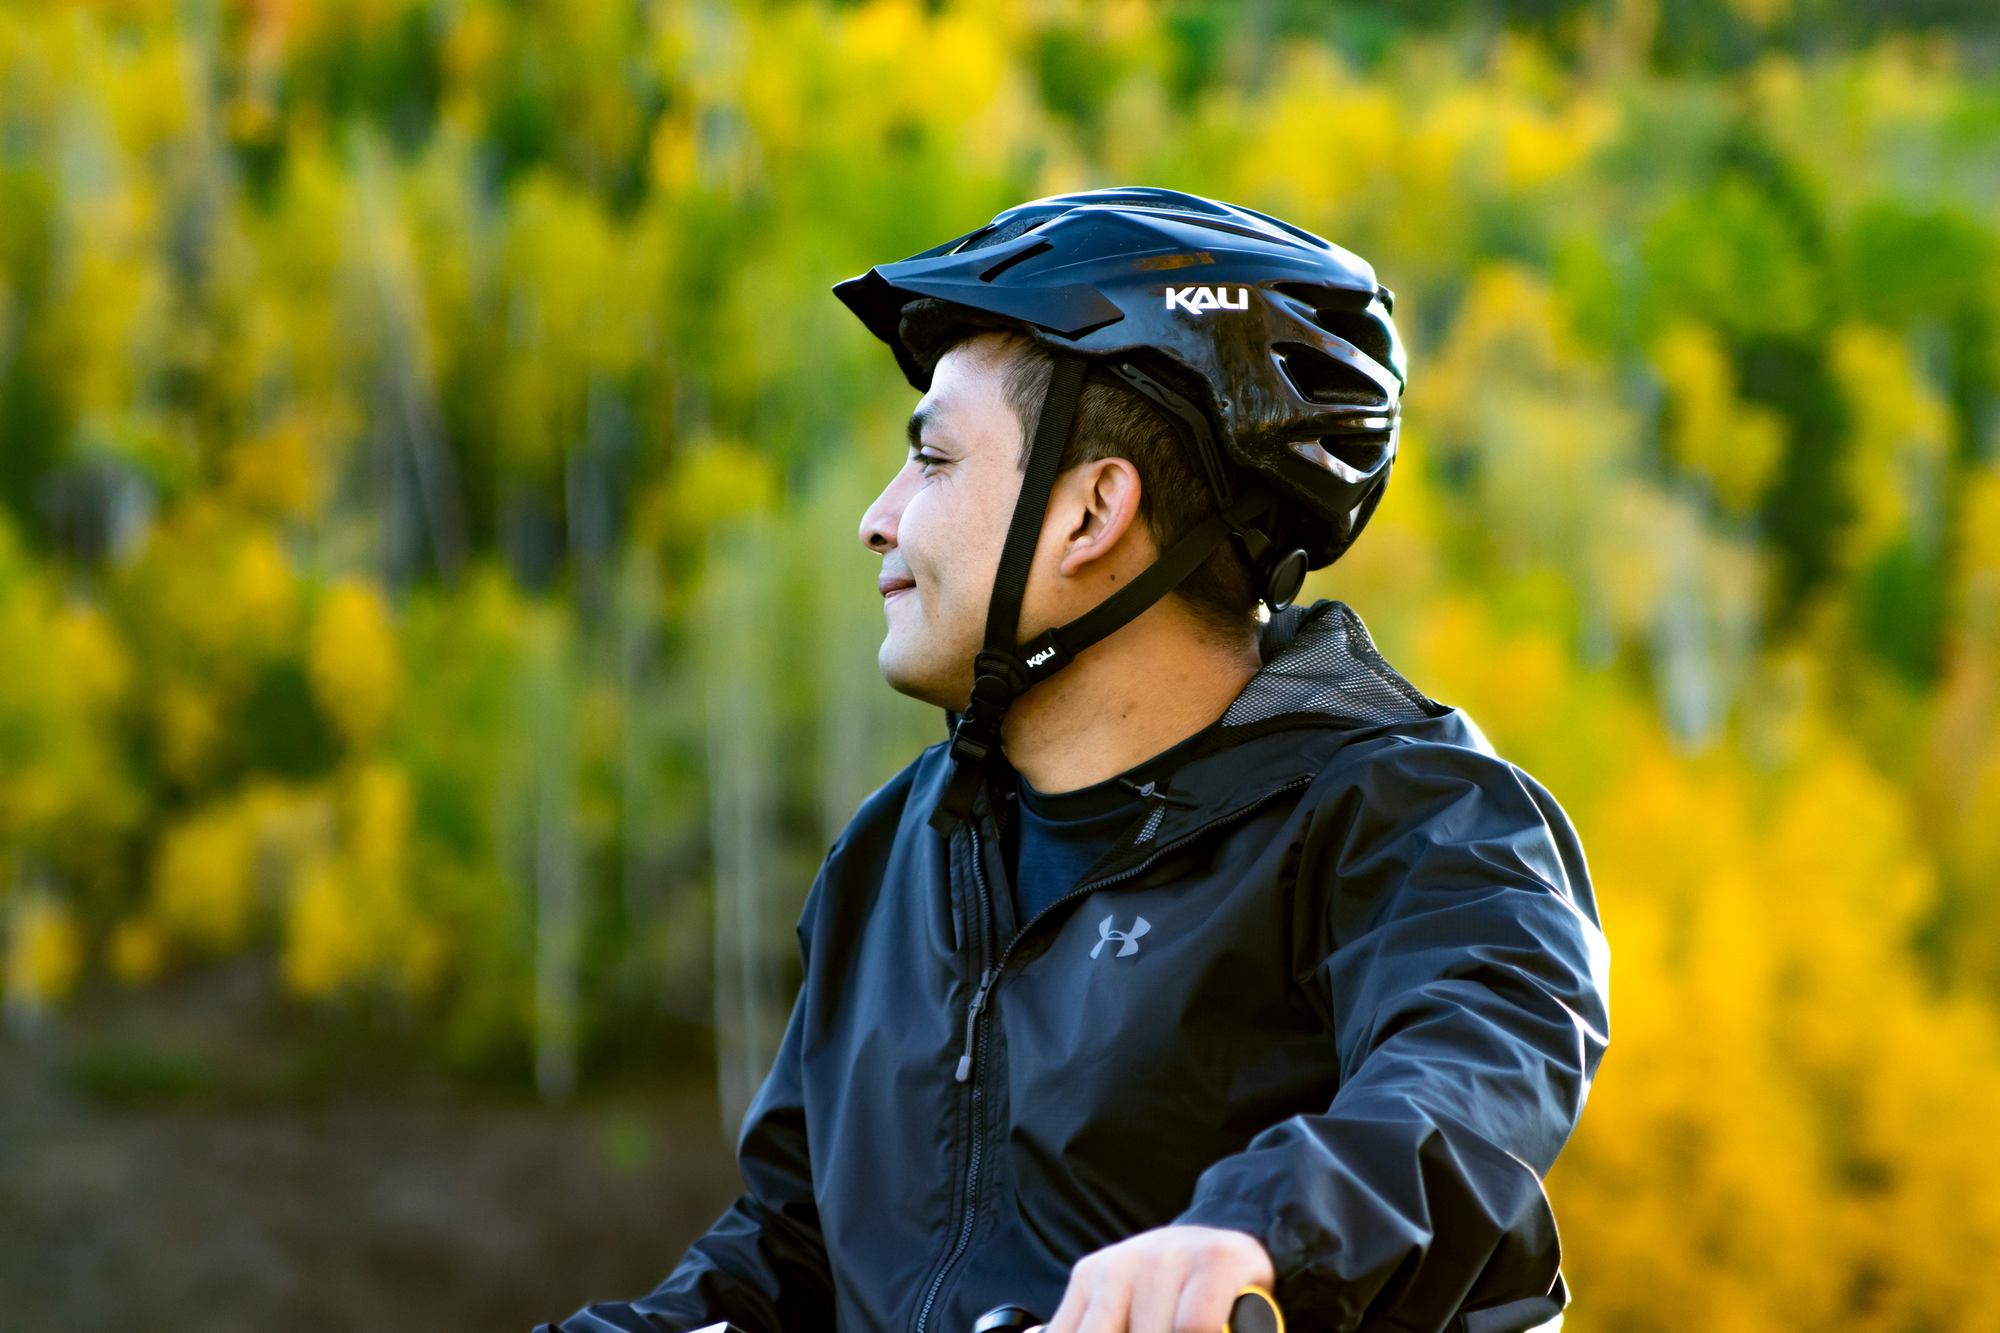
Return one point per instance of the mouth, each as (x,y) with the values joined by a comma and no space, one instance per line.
(893,586)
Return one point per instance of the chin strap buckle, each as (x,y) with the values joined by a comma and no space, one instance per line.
(998,679)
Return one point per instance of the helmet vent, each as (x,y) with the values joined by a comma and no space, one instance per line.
(1361,454)
(1321,379)
(1359,332)
(1038,248)
(1001,233)
(1343,313)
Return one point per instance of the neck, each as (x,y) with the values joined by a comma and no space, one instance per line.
(1148,687)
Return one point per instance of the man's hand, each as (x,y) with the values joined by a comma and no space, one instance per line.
(1173,1280)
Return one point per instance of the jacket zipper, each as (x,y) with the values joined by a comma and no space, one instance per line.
(974,1069)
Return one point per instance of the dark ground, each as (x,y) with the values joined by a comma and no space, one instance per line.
(405,1205)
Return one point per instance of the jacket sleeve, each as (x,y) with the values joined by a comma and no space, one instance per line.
(763,1265)
(1444,923)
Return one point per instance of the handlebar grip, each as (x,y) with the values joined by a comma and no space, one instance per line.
(1006,1319)
(1256,1311)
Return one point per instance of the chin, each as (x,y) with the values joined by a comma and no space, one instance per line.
(907,673)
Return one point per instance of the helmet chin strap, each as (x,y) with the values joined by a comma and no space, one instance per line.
(1005,668)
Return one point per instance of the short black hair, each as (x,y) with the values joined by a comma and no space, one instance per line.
(1114,422)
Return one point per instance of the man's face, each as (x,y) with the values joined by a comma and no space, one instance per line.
(941,522)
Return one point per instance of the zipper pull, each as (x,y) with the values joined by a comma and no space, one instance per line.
(986,980)
(1154,791)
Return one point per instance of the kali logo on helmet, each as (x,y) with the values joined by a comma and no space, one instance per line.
(1197,299)
(1128,940)
(1041,657)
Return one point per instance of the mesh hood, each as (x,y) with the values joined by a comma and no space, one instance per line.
(1319,661)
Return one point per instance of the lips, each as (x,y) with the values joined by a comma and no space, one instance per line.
(890,585)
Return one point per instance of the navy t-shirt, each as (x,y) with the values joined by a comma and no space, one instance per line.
(1056,838)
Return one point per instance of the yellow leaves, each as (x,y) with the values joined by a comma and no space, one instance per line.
(218,589)
(578,306)
(203,880)
(1513,395)
(330,865)
(149,97)
(951,57)
(1508,328)
(1312,95)
(281,471)
(218,871)
(471,44)
(1760,13)
(328,22)
(352,922)
(261,586)
(1964,782)
(210,603)
(1735,445)
(44,953)
(187,721)
(1513,687)
(1758,1135)
(1901,437)
(720,482)
(137,951)
(1537,147)
(63,674)
(324,946)
(354,663)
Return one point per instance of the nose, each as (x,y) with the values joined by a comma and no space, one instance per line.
(878,525)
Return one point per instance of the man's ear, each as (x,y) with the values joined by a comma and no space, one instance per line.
(1100,502)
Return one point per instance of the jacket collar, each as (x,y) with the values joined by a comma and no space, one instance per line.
(1323,677)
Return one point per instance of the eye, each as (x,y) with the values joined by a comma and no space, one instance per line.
(928,460)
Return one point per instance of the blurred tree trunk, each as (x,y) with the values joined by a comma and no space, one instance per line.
(642,800)
(749,1010)
(552,848)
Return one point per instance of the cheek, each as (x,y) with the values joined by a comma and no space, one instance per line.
(924,534)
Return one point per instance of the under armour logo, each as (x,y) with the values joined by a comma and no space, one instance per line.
(1128,940)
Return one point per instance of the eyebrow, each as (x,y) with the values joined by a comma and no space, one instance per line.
(915,430)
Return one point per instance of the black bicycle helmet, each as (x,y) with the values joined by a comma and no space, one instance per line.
(1269,351)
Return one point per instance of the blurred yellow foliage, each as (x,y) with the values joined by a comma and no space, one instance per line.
(1901,440)
(1963,802)
(720,482)
(280,471)
(64,678)
(352,922)
(1785,1135)
(44,953)
(137,951)
(216,869)
(204,879)
(1711,432)
(354,662)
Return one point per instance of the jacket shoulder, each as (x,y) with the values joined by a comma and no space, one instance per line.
(880,817)
(1436,792)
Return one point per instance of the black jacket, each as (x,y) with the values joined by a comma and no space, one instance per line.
(1342,987)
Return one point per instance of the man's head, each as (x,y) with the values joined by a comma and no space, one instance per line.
(1126,491)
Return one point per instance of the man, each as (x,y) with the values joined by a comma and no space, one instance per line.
(1208,952)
